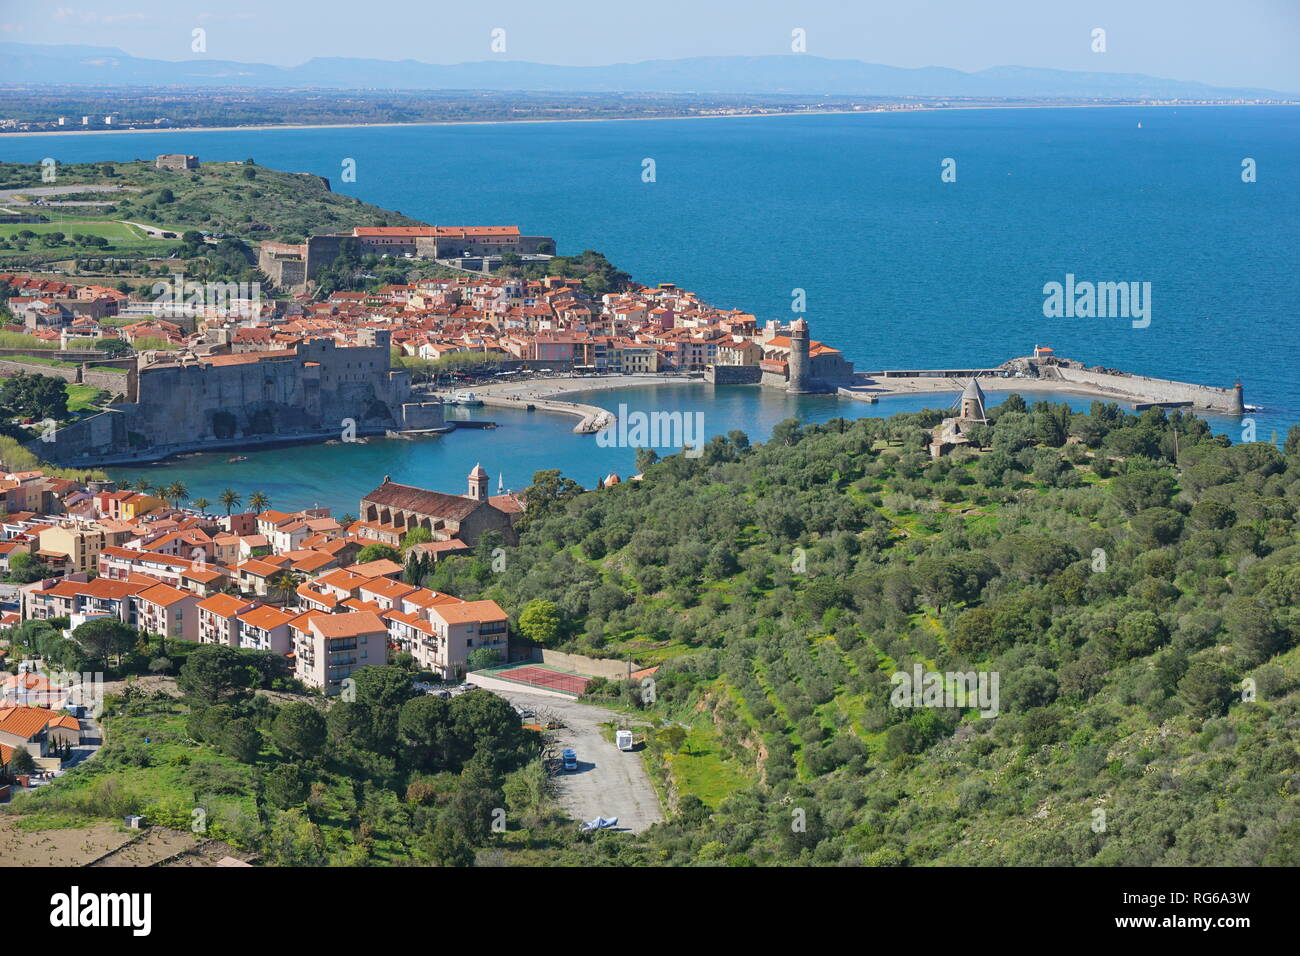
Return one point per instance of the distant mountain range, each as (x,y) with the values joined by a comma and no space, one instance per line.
(787,74)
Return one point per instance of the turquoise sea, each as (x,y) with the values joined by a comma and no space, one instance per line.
(899,268)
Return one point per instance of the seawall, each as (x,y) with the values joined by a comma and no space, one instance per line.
(1145,390)
(1059,375)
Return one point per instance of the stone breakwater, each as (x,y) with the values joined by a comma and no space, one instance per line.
(591,417)
(1052,375)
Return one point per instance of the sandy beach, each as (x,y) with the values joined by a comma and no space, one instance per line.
(613,119)
(547,395)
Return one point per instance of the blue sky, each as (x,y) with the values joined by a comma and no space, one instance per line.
(1223,42)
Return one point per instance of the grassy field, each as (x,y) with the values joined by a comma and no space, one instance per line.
(82,397)
(149,766)
(702,767)
(109,229)
(124,240)
(35,360)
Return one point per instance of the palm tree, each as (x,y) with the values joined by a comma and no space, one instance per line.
(200,504)
(258,502)
(231,499)
(176,492)
(282,586)
(142,485)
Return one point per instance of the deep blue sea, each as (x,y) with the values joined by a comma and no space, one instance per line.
(899,268)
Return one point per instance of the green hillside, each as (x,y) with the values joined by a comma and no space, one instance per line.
(242,200)
(1122,594)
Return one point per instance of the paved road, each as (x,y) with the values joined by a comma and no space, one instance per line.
(608,782)
(8,195)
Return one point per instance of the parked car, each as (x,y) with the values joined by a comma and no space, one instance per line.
(569,759)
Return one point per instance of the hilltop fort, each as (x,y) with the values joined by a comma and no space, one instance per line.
(291,266)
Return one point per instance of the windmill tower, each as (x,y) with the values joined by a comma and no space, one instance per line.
(972,403)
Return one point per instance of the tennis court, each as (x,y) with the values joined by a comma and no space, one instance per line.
(542,677)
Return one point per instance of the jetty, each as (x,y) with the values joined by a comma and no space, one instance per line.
(591,417)
(1045,372)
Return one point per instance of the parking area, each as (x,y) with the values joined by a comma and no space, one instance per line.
(608,782)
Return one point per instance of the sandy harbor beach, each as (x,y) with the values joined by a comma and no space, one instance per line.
(546,394)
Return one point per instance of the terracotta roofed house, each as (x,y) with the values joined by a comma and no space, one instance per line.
(333,646)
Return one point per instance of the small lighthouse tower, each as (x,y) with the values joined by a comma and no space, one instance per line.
(799,380)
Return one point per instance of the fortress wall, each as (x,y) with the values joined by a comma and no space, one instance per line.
(287,395)
(422,415)
(103,434)
(277,396)
(1140,388)
(321,253)
(284,264)
(8,368)
(732,374)
(109,381)
(63,355)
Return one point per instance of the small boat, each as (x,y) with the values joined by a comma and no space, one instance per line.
(467,398)
(237,458)
(1139,125)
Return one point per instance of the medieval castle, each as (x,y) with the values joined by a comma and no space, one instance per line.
(191,400)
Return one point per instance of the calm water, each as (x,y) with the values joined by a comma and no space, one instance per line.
(339,475)
(899,268)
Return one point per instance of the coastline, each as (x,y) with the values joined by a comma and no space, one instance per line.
(623,119)
(549,395)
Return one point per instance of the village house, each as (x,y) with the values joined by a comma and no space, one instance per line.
(219,619)
(333,646)
(163,609)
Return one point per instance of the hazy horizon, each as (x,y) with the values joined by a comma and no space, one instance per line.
(1246,44)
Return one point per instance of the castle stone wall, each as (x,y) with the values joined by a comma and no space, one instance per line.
(317,391)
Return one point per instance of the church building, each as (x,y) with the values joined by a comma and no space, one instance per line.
(392,509)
